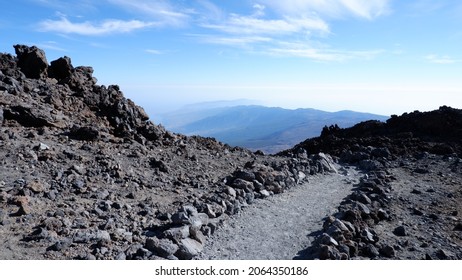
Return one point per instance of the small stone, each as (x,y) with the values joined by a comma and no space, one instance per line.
(264,193)
(382,214)
(328,221)
(415,191)
(363,208)
(328,240)
(36,186)
(421,170)
(42,147)
(86,133)
(60,245)
(79,169)
(353,246)
(244,175)
(242,184)
(372,251)
(23,203)
(231,191)
(400,231)
(176,234)
(443,254)
(434,217)
(388,251)
(161,247)
(329,252)
(417,212)
(180,218)
(339,224)
(197,235)
(120,256)
(367,236)
(189,248)
(363,198)
(209,211)
(350,227)
(301,176)
(458,227)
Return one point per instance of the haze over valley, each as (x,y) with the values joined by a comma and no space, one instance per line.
(269,129)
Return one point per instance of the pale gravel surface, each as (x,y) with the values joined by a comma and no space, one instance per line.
(279,227)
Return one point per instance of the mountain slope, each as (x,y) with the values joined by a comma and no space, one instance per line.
(85,174)
(263,128)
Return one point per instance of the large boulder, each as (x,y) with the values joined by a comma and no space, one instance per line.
(32,61)
(61,68)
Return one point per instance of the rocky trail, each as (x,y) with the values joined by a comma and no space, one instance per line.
(281,226)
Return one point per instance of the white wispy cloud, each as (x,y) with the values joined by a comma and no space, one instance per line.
(441,59)
(237,41)
(153,51)
(237,24)
(106,27)
(161,11)
(289,32)
(367,9)
(321,53)
(272,27)
(257,23)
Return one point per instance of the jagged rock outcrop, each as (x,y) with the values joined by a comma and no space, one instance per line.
(373,143)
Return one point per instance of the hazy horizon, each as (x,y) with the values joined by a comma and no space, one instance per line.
(378,56)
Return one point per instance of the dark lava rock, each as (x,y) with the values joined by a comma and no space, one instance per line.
(32,61)
(86,133)
(400,231)
(388,251)
(458,227)
(61,68)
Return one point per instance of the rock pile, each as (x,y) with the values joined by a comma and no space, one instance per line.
(350,233)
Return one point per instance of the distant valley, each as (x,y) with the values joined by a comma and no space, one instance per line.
(269,129)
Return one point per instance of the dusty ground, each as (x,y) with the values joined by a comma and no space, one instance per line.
(427,202)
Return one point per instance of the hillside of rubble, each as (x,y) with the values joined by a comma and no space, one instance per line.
(85,174)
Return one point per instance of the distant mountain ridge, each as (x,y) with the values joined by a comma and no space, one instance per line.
(270,129)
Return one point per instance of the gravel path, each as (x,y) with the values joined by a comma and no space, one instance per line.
(279,227)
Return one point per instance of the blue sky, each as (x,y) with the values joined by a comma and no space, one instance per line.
(380,56)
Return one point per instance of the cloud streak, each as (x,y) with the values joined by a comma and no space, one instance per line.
(291,30)
(441,59)
(272,27)
(321,54)
(88,28)
(367,9)
(161,11)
